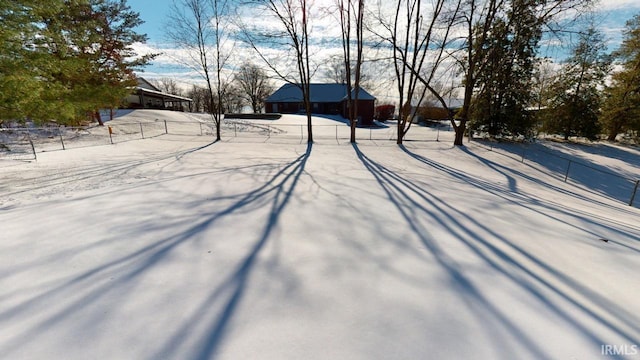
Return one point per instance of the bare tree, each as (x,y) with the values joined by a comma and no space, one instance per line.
(168,85)
(254,85)
(201,99)
(416,33)
(480,16)
(476,19)
(351,14)
(334,70)
(293,37)
(197,26)
(233,98)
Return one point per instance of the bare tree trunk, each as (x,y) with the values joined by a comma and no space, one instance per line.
(410,48)
(192,30)
(96,115)
(293,15)
(347,10)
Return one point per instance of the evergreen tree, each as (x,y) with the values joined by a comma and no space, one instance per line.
(22,65)
(66,59)
(621,108)
(574,107)
(505,80)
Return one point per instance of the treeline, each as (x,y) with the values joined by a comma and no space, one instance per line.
(590,94)
(64,60)
(248,87)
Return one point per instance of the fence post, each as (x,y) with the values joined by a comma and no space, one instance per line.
(524,152)
(33,148)
(110,132)
(268,132)
(566,176)
(438,134)
(166,131)
(633,195)
(61,141)
(141,131)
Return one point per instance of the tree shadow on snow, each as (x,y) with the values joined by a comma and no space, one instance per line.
(579,170)
(418,206)
(90,287)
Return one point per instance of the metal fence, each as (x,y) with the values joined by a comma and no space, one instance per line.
(598,179)
(26,143)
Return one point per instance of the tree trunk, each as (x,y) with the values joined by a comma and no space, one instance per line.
(98,118)
(309,128)
(460,129)
(612,136)
(352,137)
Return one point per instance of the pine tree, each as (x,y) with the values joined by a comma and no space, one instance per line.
(505,81)
(574,106)
(66,59)
(621,108)
(21,64)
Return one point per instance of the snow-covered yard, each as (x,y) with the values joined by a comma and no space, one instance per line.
(177,247)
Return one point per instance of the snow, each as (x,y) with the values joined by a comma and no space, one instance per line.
(255,247)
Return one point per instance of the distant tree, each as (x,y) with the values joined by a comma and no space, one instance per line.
(201,101)
(232,98)
(574,107)
(254,85)
(334,71)
(168,85)
(621,109)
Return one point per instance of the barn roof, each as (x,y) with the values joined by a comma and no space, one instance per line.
(320,93)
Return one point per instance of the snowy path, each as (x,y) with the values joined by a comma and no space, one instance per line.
(180,249)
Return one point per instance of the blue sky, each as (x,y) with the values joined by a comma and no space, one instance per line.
(614,14)
(154,13)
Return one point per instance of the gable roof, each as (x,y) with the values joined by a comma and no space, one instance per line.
(146,87)
(319,93)
(144,84)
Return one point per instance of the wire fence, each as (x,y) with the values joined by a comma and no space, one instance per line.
(592,176)
(26,143)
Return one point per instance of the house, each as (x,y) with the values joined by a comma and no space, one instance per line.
(147,96)
(433,111)
(330,99)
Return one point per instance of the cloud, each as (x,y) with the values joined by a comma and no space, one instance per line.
(607,5)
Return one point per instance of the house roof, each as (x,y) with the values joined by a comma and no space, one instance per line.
(146,87)
(163,95)
(320,93)
(144,84)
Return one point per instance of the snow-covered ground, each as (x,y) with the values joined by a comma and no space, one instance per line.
(177,247)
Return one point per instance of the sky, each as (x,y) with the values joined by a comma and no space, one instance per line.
(613,15)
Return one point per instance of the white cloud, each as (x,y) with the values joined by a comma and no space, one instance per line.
(606,5)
